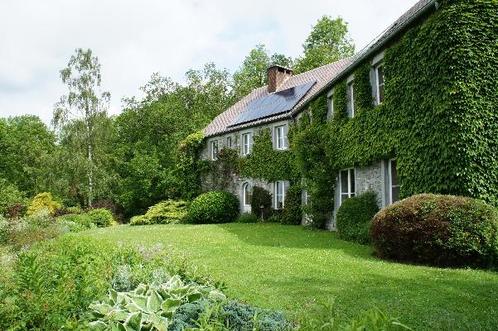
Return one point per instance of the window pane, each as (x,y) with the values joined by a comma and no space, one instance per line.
(380,74)
(352,187)
(395,193)
(229,142)
(344,181)
(394,173)
(344,197)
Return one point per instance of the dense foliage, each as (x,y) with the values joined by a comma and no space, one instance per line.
(43,203)
(261,202)
(164,212)
(213,207)
(247,218)
(293,211)
(354,217)
(10,199)
(439,230)
(101,217)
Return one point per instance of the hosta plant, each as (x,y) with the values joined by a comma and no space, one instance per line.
(148,307)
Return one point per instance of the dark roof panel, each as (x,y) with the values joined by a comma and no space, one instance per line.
(273,104)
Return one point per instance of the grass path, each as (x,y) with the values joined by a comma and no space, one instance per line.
(288,267)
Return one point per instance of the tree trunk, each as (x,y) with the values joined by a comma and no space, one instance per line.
(90,174)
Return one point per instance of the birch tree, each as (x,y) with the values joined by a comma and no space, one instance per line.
(84,102)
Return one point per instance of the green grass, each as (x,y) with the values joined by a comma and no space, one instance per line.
(289,267)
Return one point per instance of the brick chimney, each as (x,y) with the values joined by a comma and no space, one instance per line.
(276,76)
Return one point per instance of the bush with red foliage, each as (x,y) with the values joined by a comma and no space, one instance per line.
(441,230)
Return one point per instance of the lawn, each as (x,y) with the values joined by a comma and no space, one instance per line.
(289,267)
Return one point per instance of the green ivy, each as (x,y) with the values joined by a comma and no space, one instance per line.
(265,162)
(189,166)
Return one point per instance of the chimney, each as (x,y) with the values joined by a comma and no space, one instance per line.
(276,76)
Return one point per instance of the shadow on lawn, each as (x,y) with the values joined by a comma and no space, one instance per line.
(451,302)
(292,236)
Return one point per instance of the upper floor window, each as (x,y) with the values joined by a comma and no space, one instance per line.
(330,104)
(280,139)
(246,143)
(229,142)
(279,194)
(214,150)
(347,184)
(393,182)
(350,95)
(379,82)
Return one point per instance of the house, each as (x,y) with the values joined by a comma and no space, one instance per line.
(400,105)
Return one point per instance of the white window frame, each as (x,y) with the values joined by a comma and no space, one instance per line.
(229,142)
(277,195)
(246,186)
(330,104)
(350,86)
(214,150)
(280,139)
(377,80)
(390,180)
(246,146)
(351,191)
(306,198)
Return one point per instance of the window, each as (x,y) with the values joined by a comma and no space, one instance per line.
(347,184)
(306,198)
(229,142)
(246,143)
(379,79)
(279,135)
(393,182)
(279,194)
(214,150)
(246,194)
(330,104)
(351,99)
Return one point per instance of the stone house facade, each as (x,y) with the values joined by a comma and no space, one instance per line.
(287,97)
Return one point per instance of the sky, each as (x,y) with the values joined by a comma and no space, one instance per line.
(134,39)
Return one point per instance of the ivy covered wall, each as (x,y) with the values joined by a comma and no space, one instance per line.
(439,117)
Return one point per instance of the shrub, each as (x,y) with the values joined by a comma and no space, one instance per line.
(354,217)
(24,232)
(10,197)
(43,202)
(81,219)
(261,197)
(440,230)
(276,216)
(293,212)
(169,211)
(214,207)
(101,217)
(247,218)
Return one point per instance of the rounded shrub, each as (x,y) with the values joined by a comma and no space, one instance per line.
(355,216)
(441,230)
(261,202)
(101,217)
(11,199)
(43,203)
(213,207)
(293,211)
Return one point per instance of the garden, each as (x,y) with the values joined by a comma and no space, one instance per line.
(426,262)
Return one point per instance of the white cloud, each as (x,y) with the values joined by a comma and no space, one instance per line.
(135,38)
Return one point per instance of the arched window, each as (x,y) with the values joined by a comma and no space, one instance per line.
(247,194)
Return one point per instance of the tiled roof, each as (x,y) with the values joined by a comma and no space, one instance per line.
(324,76)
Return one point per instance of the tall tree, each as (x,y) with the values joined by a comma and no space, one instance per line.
(84,102)
(328,42)
(252,72)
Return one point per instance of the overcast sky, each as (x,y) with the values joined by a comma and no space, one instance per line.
(133,39)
